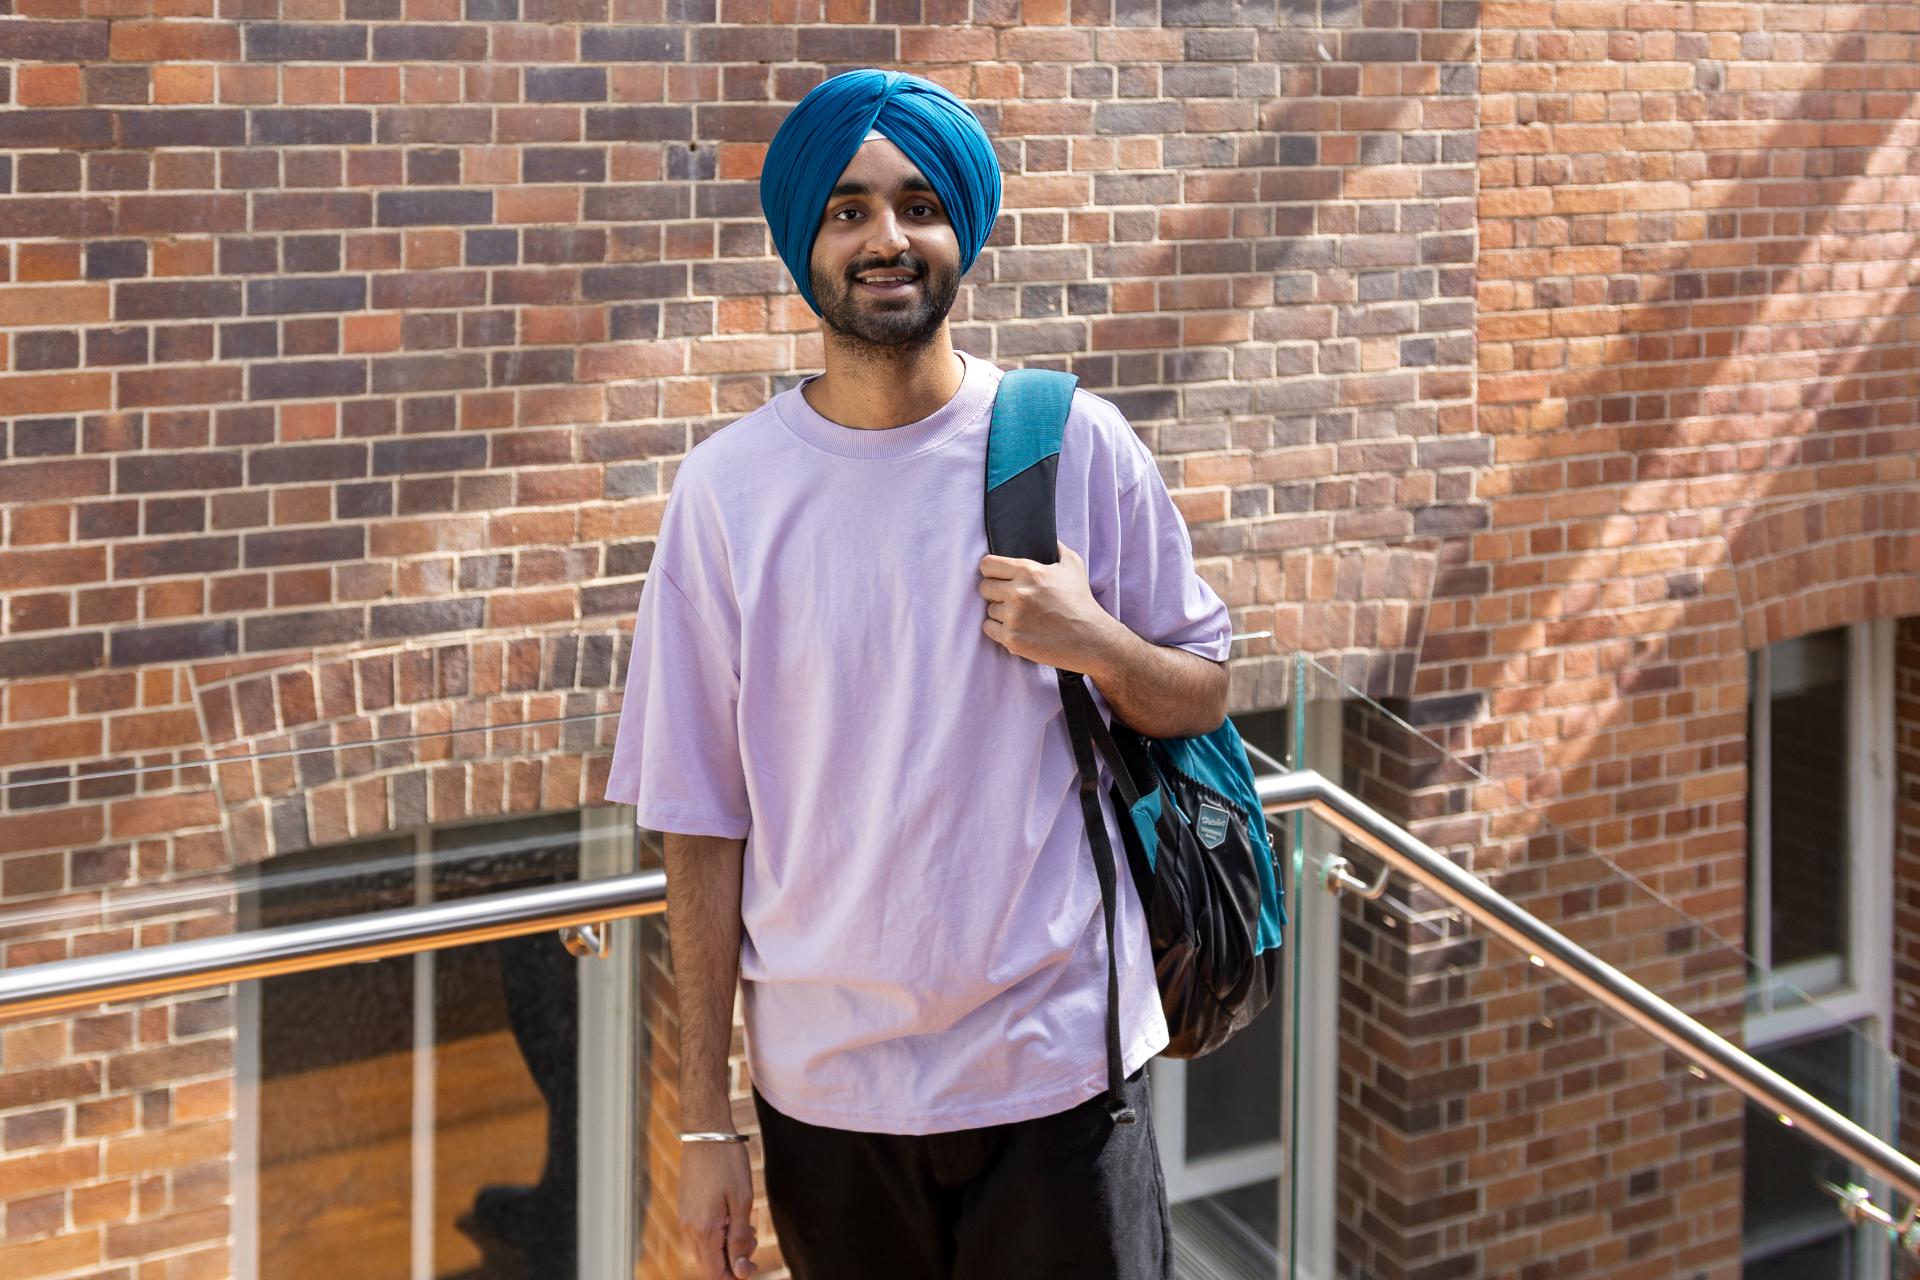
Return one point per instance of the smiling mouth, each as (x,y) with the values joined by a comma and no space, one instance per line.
(889,289)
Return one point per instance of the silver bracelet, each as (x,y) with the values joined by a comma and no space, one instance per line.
(713,1137)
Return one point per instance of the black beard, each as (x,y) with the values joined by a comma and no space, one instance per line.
(895,326)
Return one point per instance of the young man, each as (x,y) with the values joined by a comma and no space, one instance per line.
(843,712)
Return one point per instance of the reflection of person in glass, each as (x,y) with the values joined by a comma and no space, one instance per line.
(844,714)
(540,981)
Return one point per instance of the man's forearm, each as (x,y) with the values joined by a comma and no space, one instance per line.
(1159,690)
(703,925)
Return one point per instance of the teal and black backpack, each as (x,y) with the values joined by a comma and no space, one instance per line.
(1197,843)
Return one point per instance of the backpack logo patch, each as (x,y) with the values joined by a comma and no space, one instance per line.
(1211,825)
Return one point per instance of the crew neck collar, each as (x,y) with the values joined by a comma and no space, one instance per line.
(806,422)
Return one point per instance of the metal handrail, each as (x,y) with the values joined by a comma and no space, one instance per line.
(172,967)
(1306,790)
(184,966)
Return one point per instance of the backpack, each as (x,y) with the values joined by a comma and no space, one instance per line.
(1197,842)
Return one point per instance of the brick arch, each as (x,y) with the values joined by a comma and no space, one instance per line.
(1827,562)
(398,738)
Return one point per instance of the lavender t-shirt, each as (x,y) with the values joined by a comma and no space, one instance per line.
(923,945)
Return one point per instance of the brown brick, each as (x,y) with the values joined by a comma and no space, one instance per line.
(434,208)
(303,629)
(453,42)
(436,125)
(50,1255)
(48,1084)
(309,211)
(181,215)
(174,472)
(444,453)
(159,815)
(306,379)
(305,42)
(175,556)
(164,1066)
(395,621)
(633,44)
(50,655)
(175,41)
(297,127)
(147,389)
(304,546)
(77,127)
(46,217)
(175,299)
(37,40)
(134,1240)
(172,642)
(182,127)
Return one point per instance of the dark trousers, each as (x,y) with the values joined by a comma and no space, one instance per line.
(1070,1196)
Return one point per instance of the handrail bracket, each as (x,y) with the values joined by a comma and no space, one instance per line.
(1336,876)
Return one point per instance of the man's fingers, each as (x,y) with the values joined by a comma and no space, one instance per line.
(714,1256)
(740,1235)
(1004,566)
(740,1245)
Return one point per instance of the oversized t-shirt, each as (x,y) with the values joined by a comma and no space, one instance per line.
(923,944)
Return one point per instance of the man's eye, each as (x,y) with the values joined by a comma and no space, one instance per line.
(921,209)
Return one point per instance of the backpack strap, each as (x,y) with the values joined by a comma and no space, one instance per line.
(1023,455)
(1082,715)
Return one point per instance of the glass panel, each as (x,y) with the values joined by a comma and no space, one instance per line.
(419,1117)
(1784,1201)
(1832,1257)
(1226,1154)
(308,830)
(1233,1094)
(1481,1103)
(1230,1235)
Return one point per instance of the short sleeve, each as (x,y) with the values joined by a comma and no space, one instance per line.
(1157,593)
(677,755)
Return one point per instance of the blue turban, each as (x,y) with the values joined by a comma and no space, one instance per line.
(818,139)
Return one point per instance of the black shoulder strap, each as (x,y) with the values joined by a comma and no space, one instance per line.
(1023,454)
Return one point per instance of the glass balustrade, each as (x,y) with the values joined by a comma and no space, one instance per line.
(490,1110)
(485,1110)
(314,829)
(1422,1098)
(1477,1110)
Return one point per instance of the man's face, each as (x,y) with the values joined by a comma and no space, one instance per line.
(884,219)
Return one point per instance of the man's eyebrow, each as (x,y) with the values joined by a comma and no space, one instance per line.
(915,183)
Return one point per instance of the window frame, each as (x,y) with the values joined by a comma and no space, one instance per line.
(1795,1003)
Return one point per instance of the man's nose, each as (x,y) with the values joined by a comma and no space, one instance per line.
(885,237)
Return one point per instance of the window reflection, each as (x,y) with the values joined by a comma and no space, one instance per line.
(1807,802)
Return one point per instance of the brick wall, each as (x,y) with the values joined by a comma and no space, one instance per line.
(1697,355)
(1403,997)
